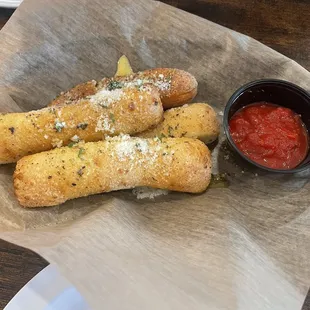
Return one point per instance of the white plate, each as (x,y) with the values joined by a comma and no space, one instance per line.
(48,290)
(10,3)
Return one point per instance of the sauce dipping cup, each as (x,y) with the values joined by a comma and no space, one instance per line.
(278,92)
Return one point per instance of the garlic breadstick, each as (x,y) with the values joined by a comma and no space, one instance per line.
(196,120)
(176,87)
(129,110)
(53,177)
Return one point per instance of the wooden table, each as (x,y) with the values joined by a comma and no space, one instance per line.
(281,24)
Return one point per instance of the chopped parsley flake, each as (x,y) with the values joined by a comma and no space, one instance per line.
(12,130)
(81,152)
(71,144)
(112,117)
(80,172)
(170,131)
(114,85)
(161,136)
(59,126)
(138,146)
(82,126)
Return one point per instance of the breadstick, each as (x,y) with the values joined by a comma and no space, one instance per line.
(129,110)
(53,177)
(196,120)
(176,87)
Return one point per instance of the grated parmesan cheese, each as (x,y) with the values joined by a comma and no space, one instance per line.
(104,124)
(160,82)
(106,97)
(139,82)
(140,152)
(142,146)
(57,143)
(75,138)
(127,148)
(148,192)
(163,85)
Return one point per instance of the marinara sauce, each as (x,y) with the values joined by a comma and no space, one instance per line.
(270,135)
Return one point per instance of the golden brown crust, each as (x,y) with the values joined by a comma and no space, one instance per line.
(196,120)
(51,178)
(176,87)
(183,86)
(129,110)
(78,92)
